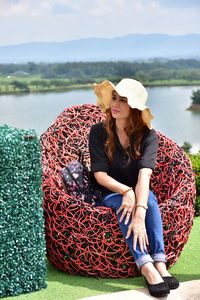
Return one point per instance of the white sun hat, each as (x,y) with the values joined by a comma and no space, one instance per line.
(132,89)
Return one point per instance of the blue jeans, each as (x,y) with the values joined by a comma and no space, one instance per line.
(154,230)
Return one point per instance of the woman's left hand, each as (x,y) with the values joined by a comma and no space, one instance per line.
(138,228)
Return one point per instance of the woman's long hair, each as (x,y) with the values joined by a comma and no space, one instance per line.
(135,125)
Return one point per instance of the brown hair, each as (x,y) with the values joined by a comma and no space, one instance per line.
(136,126)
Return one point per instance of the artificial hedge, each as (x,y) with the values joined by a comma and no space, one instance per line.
(22,246)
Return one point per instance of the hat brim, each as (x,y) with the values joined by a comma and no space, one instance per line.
(104,90)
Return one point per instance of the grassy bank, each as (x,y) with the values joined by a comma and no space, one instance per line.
(173,82)
(33,84)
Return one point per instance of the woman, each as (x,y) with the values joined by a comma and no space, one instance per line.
(123,152)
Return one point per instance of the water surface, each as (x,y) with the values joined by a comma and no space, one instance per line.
(168,105)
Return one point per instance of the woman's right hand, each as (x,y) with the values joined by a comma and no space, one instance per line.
(127,207)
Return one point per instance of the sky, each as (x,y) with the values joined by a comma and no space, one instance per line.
(24,21)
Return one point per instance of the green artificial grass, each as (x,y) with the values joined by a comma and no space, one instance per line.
(64,286)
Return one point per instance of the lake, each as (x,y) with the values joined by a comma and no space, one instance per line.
(168,105)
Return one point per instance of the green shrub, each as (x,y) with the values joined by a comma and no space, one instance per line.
(195,159)
(186,147)
(197,206)
(196,97)
(20,85)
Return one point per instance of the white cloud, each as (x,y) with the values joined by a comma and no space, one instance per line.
(62,9)
(179,3)
(59,20)
(34,7)
(13,8)
(45,5)
(106,7)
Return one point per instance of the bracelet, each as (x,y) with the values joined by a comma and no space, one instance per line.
(142,205)
(129,189)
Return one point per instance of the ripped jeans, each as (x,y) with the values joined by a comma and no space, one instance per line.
(154,230)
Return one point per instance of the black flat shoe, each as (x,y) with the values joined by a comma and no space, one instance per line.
(159,289)
(171,281)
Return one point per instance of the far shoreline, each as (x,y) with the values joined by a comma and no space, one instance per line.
(59,90)
(90,86)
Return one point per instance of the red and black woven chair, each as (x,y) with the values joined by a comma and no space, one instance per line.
(82,239)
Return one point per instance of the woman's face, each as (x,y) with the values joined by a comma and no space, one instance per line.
(119,106)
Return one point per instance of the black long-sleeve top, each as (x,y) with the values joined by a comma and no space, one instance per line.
(118,169)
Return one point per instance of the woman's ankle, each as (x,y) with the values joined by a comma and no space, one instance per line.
(161,268)
(150,273)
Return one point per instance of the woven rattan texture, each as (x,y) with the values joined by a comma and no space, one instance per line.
(86,240)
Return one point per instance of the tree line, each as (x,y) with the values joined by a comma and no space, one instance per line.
(188,69)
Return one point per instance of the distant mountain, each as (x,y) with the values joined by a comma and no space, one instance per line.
(129,47)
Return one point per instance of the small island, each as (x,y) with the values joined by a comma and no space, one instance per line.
(195,106)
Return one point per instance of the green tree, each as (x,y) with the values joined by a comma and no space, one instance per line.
(20,85)
(196,97)
(186,147)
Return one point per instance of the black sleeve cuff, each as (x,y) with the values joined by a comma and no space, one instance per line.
(146,164)
(99,167)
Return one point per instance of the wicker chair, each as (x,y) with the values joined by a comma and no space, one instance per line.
(82,239)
